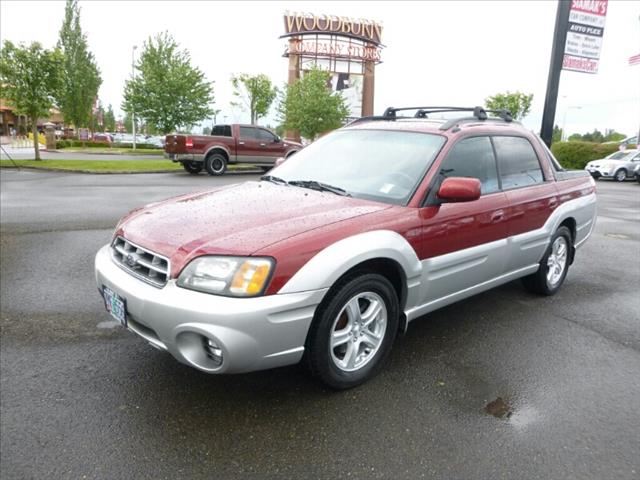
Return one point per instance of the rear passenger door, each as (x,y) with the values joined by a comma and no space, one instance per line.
(532,199)
(249,149)
(464,243)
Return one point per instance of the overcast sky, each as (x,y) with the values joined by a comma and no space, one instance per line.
(436,53)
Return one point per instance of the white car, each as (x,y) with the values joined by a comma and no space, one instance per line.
(618,165)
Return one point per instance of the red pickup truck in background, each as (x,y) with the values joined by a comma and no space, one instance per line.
(228,144)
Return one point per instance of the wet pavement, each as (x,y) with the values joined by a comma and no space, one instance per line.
(502,385)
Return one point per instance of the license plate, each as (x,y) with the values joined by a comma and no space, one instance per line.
(115,304)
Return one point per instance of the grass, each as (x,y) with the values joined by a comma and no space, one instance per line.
(107,166)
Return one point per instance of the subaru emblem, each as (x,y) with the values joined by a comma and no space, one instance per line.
(131,260)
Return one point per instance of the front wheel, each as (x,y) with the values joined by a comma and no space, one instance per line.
(553,266)
(353,331)
(216,164)
(193,168)
(620,175)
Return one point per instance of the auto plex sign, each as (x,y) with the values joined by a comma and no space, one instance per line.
(584,35)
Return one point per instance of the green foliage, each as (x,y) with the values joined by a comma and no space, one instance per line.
(109,120)
(575,155)
(168,92)
(81,76)
(256,92)
(309,105)
(599,137)
(517,103)
(29,80)
(557,134)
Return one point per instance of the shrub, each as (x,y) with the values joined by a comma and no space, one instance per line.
(575,155)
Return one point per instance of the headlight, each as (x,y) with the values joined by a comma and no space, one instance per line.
(228,276)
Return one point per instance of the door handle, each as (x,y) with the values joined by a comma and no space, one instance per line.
(497,216)
(240,143)
(263,144)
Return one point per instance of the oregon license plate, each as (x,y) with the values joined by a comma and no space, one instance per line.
(115,304)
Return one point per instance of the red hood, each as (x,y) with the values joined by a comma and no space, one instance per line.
(238,220)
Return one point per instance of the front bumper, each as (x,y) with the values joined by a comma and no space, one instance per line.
(253,333)
(599,172)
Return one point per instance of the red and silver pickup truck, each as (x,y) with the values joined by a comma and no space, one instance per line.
(228,144)
(342,246)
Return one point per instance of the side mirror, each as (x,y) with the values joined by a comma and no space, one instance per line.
(459,189)
(277,139)
(279,161)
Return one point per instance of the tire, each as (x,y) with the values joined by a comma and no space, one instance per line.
(193,168)
(620,175)
(265,169)
(216,164)
(360,352)
(545,281)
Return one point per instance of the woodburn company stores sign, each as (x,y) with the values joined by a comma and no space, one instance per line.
(346,47)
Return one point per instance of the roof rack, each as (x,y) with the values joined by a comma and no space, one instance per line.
(479,114)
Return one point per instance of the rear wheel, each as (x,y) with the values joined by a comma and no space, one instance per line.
(620,175)
(553,266)
(353,331)
(216,164)
(193,167)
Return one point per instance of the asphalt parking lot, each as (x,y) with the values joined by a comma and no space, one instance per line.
(80,398)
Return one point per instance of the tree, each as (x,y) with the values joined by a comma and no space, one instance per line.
(309,105)
(109,120)
(613,136)
(30,78)
(517,103)
(126,121)
(256,92)
(81,76)
(168,92)
(557,134)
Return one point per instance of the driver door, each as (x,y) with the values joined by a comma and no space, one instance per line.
(464,244)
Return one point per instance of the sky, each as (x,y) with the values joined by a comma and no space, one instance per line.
(437,53)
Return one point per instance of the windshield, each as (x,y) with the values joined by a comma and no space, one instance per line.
(380,165)
(617,155)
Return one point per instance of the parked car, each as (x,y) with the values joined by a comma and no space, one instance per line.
(636,173)
(618,166)
(102,137)
(228,144)
(343,245)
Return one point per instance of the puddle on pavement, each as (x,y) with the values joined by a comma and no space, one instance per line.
(498,408)
(520,418)
(109,324)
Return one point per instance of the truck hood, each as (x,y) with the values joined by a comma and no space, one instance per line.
(237,220)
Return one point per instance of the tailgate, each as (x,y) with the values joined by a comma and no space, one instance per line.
(175,144)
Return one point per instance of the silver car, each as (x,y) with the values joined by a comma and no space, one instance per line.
(619,165)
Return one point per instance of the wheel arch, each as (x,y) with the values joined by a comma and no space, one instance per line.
(571,224)
(217,149)
(381,251)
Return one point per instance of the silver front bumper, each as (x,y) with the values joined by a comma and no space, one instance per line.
(253,333)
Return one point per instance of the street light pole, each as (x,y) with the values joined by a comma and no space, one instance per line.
(133,111)
(564,120)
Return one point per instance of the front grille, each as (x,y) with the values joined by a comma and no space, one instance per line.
(140,262)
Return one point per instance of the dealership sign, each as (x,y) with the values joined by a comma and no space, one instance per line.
(584,35)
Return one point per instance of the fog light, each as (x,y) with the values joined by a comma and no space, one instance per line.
(214,352)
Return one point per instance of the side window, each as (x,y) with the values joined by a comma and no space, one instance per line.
(473,157)
(517,162)
(221,130)
(249,133)
(266,136)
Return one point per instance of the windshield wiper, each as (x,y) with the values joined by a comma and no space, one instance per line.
(315,185)
(274,179)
